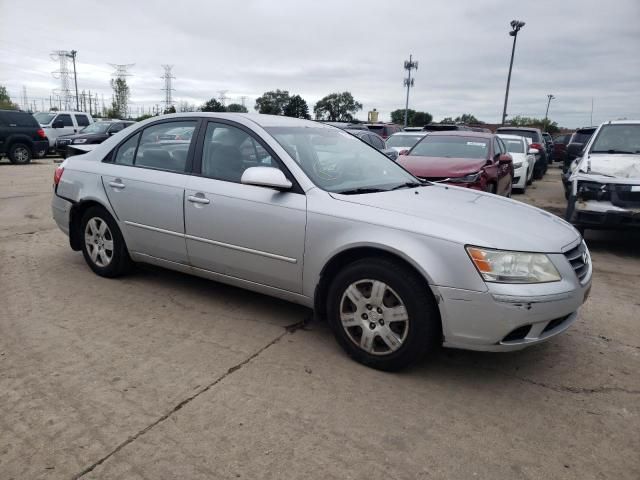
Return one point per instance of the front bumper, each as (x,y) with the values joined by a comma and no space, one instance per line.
(510,317)
(604,214)
(520,177)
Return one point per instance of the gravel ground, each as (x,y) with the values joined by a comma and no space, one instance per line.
(161,375)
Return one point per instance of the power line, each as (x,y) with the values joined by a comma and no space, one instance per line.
(223,96)
(168,77)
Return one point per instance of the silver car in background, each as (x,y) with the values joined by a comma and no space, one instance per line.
(308,213)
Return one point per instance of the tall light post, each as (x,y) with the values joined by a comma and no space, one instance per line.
(408,82)
(546,115)
(516,25)
(72,54)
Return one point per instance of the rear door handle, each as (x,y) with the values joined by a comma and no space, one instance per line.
(117,183)
(198,198)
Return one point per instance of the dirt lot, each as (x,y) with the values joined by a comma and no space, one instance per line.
(161,375)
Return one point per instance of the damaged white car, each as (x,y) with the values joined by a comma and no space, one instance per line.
(605,179)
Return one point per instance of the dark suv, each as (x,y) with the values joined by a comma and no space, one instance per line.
(537,142)
(21,137)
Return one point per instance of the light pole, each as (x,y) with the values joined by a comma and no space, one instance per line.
(516,25)
(546,115)
(72,54)
(408,82)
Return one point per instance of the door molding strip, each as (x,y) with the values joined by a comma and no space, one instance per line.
(214,242)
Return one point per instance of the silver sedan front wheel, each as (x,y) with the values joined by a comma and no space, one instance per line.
(98,240)
(374,317)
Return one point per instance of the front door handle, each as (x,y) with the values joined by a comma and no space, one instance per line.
(117,183)
(198,198)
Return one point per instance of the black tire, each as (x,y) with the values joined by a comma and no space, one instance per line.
(120,262)
(491,188)
(423,328)
(20,154)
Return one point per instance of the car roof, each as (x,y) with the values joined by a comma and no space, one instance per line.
(257,118)
(460,133)
(528,129)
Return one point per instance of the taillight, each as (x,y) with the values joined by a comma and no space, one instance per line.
(57,175)
(536,145)
(41,133)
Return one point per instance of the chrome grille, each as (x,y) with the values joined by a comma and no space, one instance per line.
(579,259)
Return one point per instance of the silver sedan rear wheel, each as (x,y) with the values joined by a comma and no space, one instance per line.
(98,240)
(374,317)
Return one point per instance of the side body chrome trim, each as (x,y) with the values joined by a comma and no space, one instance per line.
(214,242)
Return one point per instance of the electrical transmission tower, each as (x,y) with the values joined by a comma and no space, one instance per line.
(243,99)
(62,74)
(223,97)
(168,77)
(121,71)
(25,99)
(120,89)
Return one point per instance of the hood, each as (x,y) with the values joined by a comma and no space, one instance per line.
(613,165)
(441,166)
(468,216)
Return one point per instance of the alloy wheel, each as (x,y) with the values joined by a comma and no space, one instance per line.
(21,155)
(98,240)
(374,317)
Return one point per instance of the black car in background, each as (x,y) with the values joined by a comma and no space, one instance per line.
(577,142)
(548,142)
(375,140)
(97,132)
(21,137)
(560,143)
(537,142)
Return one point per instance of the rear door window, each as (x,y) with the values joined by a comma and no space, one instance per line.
(377,142)
(157,151)
(18,119)
(65,119)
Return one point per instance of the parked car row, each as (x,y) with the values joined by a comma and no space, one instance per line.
(21,137)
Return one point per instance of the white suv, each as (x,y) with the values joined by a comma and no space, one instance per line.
(59,123)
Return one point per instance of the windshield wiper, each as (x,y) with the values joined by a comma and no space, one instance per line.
(409,185)
(356,191)
(613,151)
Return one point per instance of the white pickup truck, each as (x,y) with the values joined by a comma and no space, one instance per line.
(58,123)
(604,180)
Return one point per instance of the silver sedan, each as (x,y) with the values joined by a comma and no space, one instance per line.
(308,213)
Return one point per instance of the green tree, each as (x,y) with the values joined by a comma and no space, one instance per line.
(272,102)
(120,99)
(297,107)
(447,120)
(337,107)
(468,118)
(143,117)
(420,119)
(236,107)
(171,109)
(5,100)
(397,116)
(213,105)
(544,125)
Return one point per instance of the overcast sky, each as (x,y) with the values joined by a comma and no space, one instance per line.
(576,50)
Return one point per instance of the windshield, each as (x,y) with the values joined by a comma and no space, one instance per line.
(407,141)
(452,146)
(514,146)
(98,127)
(338,162)
(44,118)
(581,137)
(618,138)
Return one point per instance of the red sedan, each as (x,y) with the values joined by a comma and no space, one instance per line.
(467,159)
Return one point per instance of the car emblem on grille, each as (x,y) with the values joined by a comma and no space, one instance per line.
(585,257)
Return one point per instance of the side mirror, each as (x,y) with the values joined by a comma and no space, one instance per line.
(57,124)
(534,151)
(266,177)
(574,150)
(404,152)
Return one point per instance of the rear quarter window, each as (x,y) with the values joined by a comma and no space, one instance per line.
(19,119)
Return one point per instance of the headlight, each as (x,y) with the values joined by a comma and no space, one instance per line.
(466,179)
(503,266)
(80,140)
